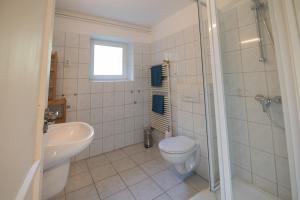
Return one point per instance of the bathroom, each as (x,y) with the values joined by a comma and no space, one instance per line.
(200,100)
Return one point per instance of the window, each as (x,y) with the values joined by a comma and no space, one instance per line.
(108,61)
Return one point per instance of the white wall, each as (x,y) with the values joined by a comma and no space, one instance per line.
(117,110)
(20,53)
(177,38)
(90,27)
(184,18)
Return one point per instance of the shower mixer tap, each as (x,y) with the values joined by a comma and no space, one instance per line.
(267,101)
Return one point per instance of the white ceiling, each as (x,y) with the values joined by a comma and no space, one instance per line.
(139,12)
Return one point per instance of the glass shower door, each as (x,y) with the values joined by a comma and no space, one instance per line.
(250,90)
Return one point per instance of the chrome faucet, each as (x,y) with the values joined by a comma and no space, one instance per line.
(49,117)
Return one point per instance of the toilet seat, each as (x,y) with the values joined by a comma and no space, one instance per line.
(177,145)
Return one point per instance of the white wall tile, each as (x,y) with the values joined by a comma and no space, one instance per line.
(96,100)
(265,184)
(108,129)
(72,39)
(71,55)
(96,87)
(236,107)
(238,131)
(250,60)
(255,83)
(280,145)
(59,38)
(108,99)
(83,101)
(119,126)
(234,84)
(232,62)
(119,112)
(96,116)
(108,144)
(119,98)
(129,124)
(108,114)
(83,116)
(248,33)
(84,56)
(261,137)
(263,165)
(84,41)
(69,86)
(245,14)
(71,102)
(230,40)
(283,174)
(96,147)
(228,19)
(70,71)
(83,71)
(84,86)
(241,155)
(119,141)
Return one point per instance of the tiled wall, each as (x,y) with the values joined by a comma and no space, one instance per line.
(258,147)
(115,109)
(187,98)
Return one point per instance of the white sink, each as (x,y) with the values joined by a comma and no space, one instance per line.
(66,140)
(61,142)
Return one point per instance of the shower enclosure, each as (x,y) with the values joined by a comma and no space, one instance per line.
(247,130)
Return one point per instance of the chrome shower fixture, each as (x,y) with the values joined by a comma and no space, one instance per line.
(267,101)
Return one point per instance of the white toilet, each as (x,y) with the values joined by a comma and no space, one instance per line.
(180,151)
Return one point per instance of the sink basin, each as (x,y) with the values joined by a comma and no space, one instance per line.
(66,140)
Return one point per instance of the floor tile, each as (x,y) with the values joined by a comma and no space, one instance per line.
(103,172)
(196,182)
(163,197)
(142,157)
(122,195)
(134,149)
(78,181)
(110,186)
(116,155)
(167,179)
(133,176)
(59,196)
(145,190)
(153,167)
(78,167)
(181,192)
(86,193)
(97,161)
(124,164)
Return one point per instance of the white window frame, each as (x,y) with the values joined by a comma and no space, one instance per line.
(124,75)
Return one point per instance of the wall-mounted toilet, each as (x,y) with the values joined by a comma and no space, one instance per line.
(180,151)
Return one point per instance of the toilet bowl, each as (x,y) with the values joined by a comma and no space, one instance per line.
(181,151)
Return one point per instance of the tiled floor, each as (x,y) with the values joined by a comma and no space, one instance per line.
(132,173)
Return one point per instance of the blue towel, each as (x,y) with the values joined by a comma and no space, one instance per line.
(156,76)
(158,104)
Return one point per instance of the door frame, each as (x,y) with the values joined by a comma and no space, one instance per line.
(287,48)
(43,95)
(219,99)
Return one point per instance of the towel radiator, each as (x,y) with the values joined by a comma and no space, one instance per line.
(158,121)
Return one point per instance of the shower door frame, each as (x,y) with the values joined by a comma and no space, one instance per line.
(287,45)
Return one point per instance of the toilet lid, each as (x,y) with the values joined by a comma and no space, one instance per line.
(179,144)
